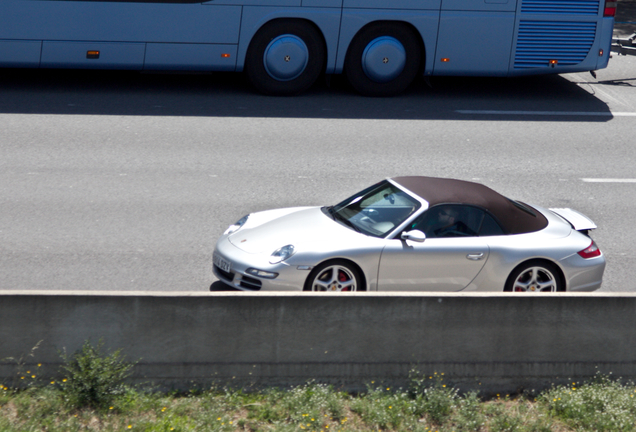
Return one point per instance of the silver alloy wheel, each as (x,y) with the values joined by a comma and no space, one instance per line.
(334,278)
(535,279)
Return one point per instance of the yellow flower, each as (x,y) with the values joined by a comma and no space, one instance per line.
(64,380)
(52,382)
(110,408)
(129,426)
(32,376)
(39,364)
(390,407)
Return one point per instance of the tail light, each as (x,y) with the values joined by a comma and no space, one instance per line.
(590,252)
(610,9)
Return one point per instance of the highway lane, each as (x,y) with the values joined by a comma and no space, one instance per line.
(119,181)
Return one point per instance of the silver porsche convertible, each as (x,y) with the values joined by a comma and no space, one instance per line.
(413,234)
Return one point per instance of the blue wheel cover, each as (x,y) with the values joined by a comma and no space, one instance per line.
(383,59)
(285,57)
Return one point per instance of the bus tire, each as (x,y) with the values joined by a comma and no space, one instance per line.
(285,57)
(383,59)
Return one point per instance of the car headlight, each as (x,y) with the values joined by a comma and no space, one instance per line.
(236,226)
(281,254)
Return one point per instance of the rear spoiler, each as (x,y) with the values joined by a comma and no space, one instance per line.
(579,221)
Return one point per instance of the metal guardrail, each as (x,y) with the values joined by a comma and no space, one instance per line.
(624,46)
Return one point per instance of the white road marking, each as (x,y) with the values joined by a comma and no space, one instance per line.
(550,113)
(608,180)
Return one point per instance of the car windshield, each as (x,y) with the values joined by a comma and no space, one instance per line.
(376,210)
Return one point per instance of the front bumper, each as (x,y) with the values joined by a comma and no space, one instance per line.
(289,278)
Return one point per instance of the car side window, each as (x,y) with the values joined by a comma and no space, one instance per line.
(454,220)
(489,227)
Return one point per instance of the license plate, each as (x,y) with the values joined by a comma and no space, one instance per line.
(221,263)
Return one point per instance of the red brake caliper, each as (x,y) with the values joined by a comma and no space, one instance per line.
(342,277)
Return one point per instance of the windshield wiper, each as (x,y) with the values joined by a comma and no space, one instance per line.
(337,217)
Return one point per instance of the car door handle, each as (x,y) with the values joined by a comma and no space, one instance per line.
(475,256)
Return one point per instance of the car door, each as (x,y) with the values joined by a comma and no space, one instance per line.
(448,259)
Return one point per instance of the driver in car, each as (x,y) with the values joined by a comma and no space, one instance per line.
(447,224)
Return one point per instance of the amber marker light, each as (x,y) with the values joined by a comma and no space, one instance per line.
(445,59)
(92,54)
(225,55)
(600,53)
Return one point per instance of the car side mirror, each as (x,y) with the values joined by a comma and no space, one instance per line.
(414,235)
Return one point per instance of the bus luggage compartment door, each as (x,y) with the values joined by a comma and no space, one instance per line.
(93,55)
(20,54)
(474,43)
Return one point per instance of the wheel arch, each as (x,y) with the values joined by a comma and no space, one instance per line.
(533,261)
(251,28)
(349,261)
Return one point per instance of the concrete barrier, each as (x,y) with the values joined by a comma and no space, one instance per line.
(496,343)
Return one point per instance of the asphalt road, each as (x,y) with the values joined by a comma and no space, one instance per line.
(121,181)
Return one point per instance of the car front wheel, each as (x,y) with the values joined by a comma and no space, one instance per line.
(335,275)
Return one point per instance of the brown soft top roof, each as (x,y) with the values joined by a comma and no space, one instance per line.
(511,215)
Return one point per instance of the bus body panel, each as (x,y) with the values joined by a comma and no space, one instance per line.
(487,53)
(327,20)
(391,4)
(20,54)
(190,57)
(425,22)
(568,33)
(322,3)
(480,5)
(117,55)
(103,21)
(284,3)
(605,43)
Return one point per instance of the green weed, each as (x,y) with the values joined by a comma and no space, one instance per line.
(93,379)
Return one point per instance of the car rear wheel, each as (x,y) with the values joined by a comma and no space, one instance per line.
(535,277)
(336,275)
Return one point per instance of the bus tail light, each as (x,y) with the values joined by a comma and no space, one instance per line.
(610,9)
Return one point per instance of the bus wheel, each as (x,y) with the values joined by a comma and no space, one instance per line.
(383,59)
(285,57)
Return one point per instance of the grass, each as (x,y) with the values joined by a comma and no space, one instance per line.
(92,396)
(600,405)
